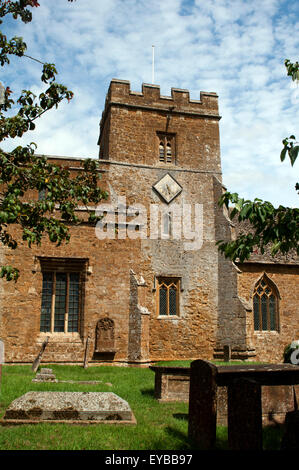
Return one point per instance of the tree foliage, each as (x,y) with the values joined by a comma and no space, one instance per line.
(274,228)
(23,174)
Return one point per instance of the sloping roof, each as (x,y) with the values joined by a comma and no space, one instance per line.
(257,257)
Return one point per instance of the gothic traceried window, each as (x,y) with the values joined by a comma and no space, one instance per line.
(265,306)
(168,296)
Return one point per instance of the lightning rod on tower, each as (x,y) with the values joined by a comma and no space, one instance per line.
(153,64)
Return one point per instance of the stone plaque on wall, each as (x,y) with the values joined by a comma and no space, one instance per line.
(105,335)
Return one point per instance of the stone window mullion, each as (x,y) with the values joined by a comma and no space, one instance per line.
(53,303)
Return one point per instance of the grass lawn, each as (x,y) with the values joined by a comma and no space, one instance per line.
(160,426)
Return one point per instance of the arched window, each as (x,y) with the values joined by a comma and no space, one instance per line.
(168,296)
(265,305)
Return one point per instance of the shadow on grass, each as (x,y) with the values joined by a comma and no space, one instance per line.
(185,443)
(183,416)
(180,437)
(272,437)
(148,392)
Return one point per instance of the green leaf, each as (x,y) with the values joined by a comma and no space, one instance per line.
(283,154)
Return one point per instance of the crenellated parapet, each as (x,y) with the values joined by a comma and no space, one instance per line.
(150,98)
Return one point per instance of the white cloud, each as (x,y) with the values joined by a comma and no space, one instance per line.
(234,47)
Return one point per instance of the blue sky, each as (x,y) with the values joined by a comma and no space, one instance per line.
(236,48)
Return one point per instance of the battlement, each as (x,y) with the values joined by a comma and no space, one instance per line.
(150,98)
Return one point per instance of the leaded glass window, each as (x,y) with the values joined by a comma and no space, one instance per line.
(60,302)
(45,320)
(168,296)
(73,310)
(163,294)
(265,306)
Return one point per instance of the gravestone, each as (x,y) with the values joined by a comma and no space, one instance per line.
(290,439)
(38,359)
(244,406)
(45,375)
(85,363)
(72,407)
(105,336)
(202,419)
(226,353)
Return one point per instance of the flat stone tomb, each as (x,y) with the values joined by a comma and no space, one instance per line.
(70,407)
(45,375)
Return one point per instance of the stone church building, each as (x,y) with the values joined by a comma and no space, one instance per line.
(148,283)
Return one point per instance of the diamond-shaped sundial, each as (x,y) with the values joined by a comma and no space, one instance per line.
(168,188)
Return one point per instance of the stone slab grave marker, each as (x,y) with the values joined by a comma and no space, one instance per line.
(227,353)
(38,359)
(202,419)
(69,407)
(45,375)
(245,429)
(85,363)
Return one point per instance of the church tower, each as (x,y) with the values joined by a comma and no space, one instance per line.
(145,128)
(163,152)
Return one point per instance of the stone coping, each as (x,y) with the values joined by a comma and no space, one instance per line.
(265,374)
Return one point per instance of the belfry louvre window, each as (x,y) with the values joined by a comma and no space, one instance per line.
(168,296)
(166,148)
(61,297)
(265,306)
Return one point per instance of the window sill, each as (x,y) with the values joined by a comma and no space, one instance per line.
(168,317)
(267,332)
(60,337)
